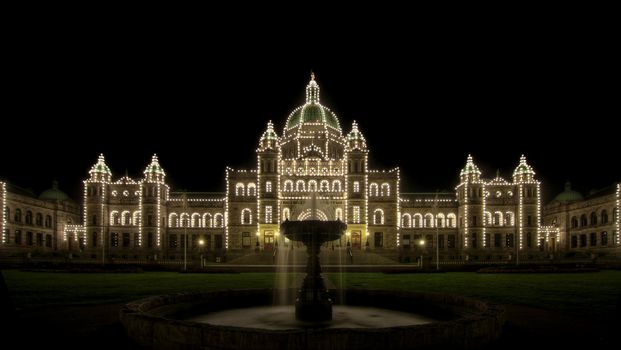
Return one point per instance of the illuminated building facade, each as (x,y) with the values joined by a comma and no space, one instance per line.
(481,220)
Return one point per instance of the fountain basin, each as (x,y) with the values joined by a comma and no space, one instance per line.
(313,231)
(160,322)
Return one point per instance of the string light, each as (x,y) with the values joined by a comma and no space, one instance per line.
(4,214)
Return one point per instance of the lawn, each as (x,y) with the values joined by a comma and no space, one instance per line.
(587,294)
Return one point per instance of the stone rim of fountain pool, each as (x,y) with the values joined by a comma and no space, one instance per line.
(158,322)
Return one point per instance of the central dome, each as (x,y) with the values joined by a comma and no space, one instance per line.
(312,111)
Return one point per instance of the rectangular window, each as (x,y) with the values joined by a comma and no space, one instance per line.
(81,243)
(497,240)
(268,187)
(429,241)
(125,240)
(182,241)
(39,239)
(441,241)
(356,187)
(29,238)
(529,239)
(18,237)
(379,239)
(529,220)
(583,241)
(94,239)
(473,241)
(172,241)
(509,239)
(137,239)
(356,215)
(149,220)
(218,241)
(48,241)
(451,241)
(593,239)
(268,214)
(194,241)
(406,241)
(246,239)
(574,241)
(474,220)
(488,240)
(114,239)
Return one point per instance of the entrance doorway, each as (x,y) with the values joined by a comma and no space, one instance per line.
(268,240)
(355,240)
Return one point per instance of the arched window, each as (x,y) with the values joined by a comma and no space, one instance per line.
(312,186)
(288,186)
(440,220)
(29,217)
(39,219)
(338,214)
(574,222)
(378,217)
(373,190)
(252,189)
(115,218)
(498,218)
(196,220)
(385,189)
(18,215)
(583,220)
(268,187)
(239,189)
(207,220)
(324,186)
(48,221)
(406,220)
(593,219)
(173,220)
(246,217)
(300,186)
(286,214)
(488,218)
(418,220)
(428,220)
(451,220)
(126,218)
(218,219)
(185,219)
(136,218)
(604,216)
(336,186)
(509,219)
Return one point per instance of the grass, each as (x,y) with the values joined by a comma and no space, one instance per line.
(586,294)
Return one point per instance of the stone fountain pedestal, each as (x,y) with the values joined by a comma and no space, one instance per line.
(313,302)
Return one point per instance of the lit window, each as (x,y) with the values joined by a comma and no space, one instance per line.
(356,187)
(356,212)
(268,214)
(268,186)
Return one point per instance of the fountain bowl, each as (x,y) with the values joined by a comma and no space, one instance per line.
(161,322)
(310,231)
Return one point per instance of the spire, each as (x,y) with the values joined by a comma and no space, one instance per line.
(154,171)
(269,139)
(355,138)
(100,171)
(523,172)
(312,90)
(470,167)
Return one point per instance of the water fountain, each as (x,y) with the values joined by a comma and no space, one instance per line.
(244,319)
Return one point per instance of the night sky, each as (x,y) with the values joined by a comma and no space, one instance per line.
(422,104)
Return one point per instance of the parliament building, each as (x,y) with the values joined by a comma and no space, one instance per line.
(144,219)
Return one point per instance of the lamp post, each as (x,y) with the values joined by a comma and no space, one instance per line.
(437,235)
(421,244)
(201,243)
(185,233)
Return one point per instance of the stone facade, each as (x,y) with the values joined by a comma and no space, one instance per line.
(143,219)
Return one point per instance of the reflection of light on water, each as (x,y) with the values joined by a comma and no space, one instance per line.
(283,317)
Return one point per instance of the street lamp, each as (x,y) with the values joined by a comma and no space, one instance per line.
(201,243)
(421,243)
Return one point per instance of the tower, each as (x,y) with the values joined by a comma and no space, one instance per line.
(471,198)
(529,206)
(357,187)
(95,209)
(268,170)
(154,195)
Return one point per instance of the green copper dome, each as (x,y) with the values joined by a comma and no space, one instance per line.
(312,111)
(568,195)
(54,193)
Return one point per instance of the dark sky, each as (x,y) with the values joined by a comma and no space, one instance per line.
(202,102)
